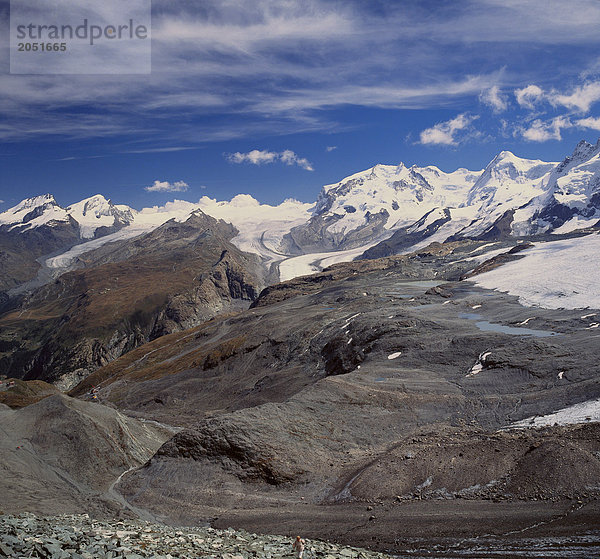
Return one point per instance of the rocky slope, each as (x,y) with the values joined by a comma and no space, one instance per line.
(363,404)
(317,390)
(128,292)
(63,455)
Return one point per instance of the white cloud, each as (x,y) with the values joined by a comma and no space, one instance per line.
(290,158)
(166,186)
(590,122)
(256,157)
(260,157)
(540,131)
(330,148)
(527,97)
(580,100)
(444,133)
(494,99)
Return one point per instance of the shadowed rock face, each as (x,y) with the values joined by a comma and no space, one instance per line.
(20,249)
(315,236)
(405,237)
(127,294)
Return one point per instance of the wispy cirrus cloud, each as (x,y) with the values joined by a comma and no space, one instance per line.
(591,122)
(261,157)
(166,186)
(277,67)
(494,98)
(448,133)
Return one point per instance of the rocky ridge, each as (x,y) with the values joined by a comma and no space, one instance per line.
(127,293)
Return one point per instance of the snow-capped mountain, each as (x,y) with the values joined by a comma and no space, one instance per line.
(383,210)
(94,216)
(507,183)
(404,193)
(39,226)
(571,198)
(513,197)
(98,213)
(365,206)
(34,212)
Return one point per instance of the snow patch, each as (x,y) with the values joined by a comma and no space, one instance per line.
(579,413)
(478,366)
(561,274)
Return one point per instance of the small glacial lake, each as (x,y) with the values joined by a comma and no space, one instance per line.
(486,326)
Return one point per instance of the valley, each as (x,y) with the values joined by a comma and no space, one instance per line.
(407,365)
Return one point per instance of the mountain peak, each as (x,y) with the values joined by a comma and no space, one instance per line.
(33,208)
(34,202)
(506,157)
(98,212)
(583,149)
(582,152)
(376,170)
(505,154)
(507,165)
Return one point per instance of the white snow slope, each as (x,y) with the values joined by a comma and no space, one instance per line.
(555,275)
(261,226)
(578,413)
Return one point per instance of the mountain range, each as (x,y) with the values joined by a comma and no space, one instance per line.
(101,278)
(387,209)
(414,346)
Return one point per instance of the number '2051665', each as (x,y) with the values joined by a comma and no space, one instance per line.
(42,47)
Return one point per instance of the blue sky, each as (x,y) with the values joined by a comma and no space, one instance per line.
(277,98)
